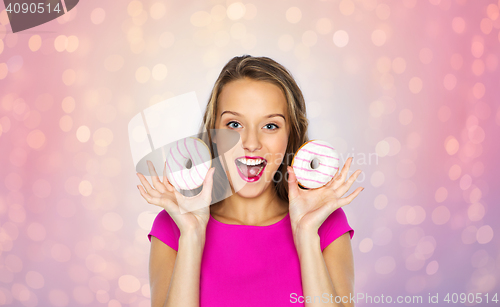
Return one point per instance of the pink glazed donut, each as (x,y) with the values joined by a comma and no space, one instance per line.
(327,162)
(188,162)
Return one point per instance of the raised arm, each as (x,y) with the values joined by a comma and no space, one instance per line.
(175,276)
(329,274)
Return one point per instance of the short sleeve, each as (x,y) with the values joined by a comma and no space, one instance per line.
(333,227)
(165,229)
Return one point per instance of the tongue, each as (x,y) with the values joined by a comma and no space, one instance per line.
(249,171)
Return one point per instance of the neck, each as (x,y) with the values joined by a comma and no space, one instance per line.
(252,211)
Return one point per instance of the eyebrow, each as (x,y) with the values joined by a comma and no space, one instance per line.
(268,116)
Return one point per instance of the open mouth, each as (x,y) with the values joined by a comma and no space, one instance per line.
(250,168)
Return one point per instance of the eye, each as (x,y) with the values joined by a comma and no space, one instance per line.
(270,126)
(231,125)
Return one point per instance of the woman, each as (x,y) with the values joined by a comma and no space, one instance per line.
(271,243)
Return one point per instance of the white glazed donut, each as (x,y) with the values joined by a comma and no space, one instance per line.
(328,164)
(184,150)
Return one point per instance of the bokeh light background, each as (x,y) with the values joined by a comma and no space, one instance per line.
(409,88)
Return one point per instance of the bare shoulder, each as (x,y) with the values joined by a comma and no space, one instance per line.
(161,265)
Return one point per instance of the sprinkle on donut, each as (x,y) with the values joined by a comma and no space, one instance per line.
(327,162)
(179,155)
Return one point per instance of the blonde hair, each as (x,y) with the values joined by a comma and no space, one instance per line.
(267,70)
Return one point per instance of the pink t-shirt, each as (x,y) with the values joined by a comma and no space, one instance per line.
(245,265)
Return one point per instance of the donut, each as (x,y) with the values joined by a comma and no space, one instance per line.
(325,154)
(188,161)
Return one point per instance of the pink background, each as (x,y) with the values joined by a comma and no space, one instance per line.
(414,83)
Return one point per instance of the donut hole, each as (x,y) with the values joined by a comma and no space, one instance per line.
(188,164)
(314,163)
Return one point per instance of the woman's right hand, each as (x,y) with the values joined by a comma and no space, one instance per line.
(166,196)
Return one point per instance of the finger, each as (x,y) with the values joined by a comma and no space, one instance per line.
(345,169)
(166,182)
(337,173)
(332,181)
(342,189)
(154,177)
(293,187)
(147,186)
(339,178)
(145,195)
(166,204)
(347,200)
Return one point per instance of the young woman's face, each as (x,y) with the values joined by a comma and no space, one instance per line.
(257,110)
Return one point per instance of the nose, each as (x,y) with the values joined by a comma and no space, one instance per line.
(250,140)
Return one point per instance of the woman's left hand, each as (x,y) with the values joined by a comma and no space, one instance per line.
(310,208)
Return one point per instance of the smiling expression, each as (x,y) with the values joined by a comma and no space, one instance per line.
(257,111)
